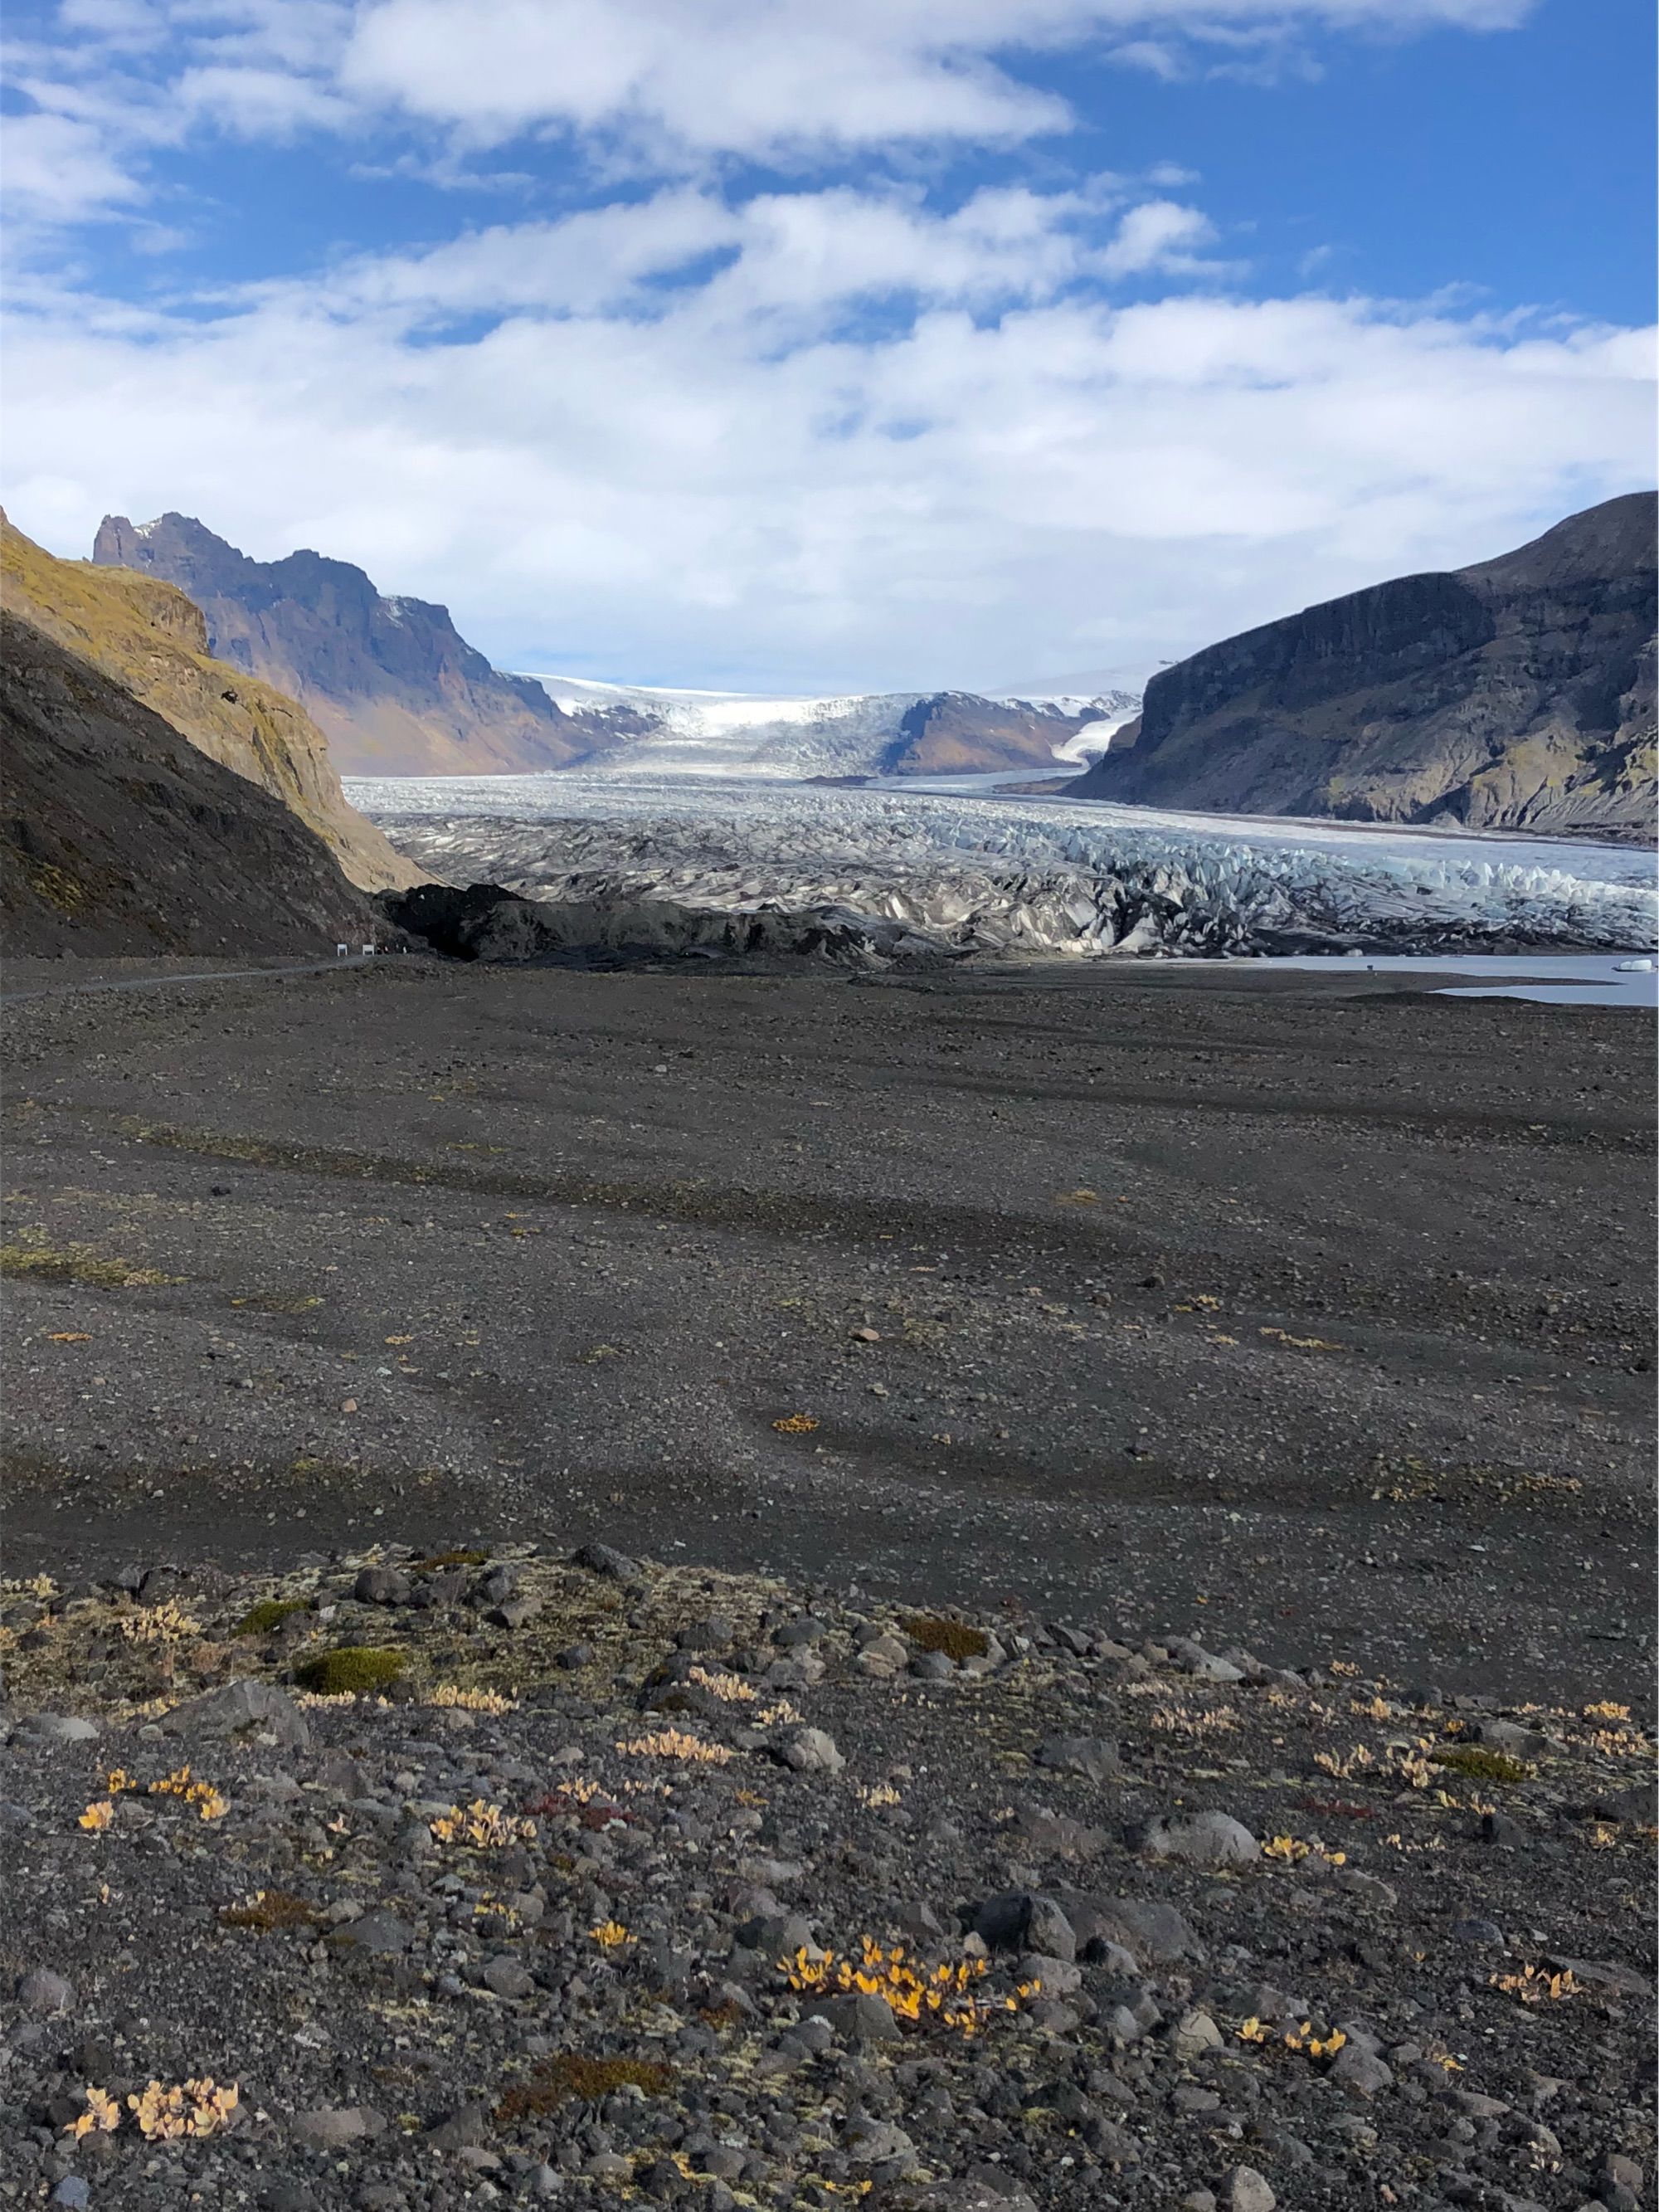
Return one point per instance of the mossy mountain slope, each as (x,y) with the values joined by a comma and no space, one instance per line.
(149,639)
(1517,694)
(120,836)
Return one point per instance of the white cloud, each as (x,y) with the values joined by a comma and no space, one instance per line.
(1158,235)
(950,492)
(57,170)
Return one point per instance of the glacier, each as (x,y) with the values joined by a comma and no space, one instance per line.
(888,873)
(733,733)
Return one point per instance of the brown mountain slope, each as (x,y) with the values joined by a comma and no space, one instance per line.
(1517,694)
(150,639)
(119,836)
(392,682)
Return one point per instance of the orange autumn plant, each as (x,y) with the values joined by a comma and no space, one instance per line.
(916,1993)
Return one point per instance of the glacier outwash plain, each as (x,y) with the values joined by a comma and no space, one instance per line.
(886,873)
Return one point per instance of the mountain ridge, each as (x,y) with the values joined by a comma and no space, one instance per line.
(1517,693)
(389,679)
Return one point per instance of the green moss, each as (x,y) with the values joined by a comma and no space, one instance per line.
(357,1668)
(1479,1764)
(270,1612)
(954,1637)
(30,1252)
(558,2079)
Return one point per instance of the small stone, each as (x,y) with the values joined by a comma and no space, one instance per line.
(575,1656)
(1361,2070)
(62,1728)
(1246,2191)
(516,1612)
(605,1559)
(861,2018)
(507,1977)
(933,1667)
(74,2191)
(874,2143)
(42,1992)
(1022,1920)
(381,1586)
(248,1704)
(333,2127)
(1091,1756)
(1195,2033)
(459,2129)
(1212,1839)
(1473,1929)
(811,1750)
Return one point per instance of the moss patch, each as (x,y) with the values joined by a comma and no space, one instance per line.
(1481,1765)
(931,1632)
(270,1612)
(569,2076)
(353,1667)
(270,1910)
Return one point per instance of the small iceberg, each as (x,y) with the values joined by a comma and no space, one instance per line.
(1642,966)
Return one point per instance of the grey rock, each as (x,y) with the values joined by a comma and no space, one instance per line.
(874,2143)
(507,1976)
(74,2191)
(42,1992)
(248,1704)
(1210,1839)
(381,1586)
(1361,2070)
(62,1728)
(1473,1929)
(379,1933)
(334,2127)
(860,2018)
(1091,1756)
(933,1667)
(811,1750)
(1022,1920)
(1244,2190)
(1146,1927)
(516,1612)
(605,1559)
(1194,2033)
(460,2130)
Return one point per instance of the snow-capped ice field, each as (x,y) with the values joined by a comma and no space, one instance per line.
(735,734)
(931,871)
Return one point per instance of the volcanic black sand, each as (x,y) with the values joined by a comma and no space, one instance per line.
(1307,1308)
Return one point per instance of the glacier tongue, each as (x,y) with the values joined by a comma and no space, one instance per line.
(911,873)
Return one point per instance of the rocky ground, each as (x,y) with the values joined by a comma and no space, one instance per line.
(612,1883)
(1184,1439)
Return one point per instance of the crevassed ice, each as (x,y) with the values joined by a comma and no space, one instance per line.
(972,874)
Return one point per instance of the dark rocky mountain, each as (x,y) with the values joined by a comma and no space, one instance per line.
(1517,694)
(394,686)
(959,733)
(119,836)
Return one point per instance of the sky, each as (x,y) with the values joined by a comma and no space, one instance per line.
(894,344)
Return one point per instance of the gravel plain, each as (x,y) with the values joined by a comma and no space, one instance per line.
(1098,1404)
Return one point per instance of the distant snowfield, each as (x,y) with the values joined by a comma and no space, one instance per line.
(736,734)
(959,872)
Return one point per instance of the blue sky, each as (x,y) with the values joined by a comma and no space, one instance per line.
(747,342)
